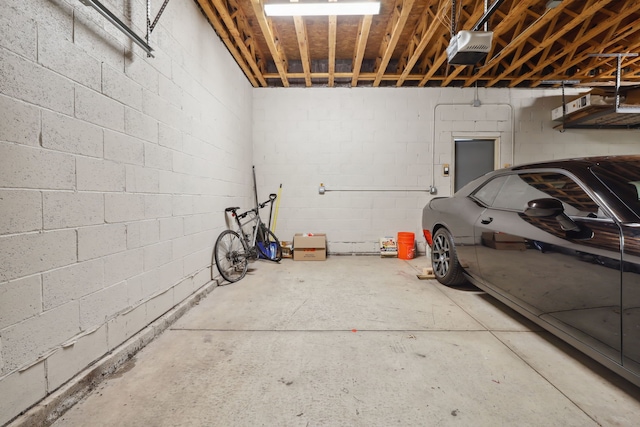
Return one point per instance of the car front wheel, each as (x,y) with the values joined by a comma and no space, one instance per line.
(444,260)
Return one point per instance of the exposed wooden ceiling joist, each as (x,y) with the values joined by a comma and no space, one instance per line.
(470,20)
(361,44)
(405,45)
(580,53)
(236,24)
(589,9)
(303,44)
(270,39)
(333,28)
(401,11)
(541,22)
(215,20)
(424,33)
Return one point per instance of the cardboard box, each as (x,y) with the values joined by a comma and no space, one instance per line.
(503,241)
(287,249)
(388,247)
(309,247)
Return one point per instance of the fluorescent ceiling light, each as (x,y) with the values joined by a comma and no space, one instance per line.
(322,9)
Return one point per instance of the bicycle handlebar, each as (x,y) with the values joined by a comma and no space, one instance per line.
(272,197)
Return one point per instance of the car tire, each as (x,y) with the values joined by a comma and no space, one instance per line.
(444,259)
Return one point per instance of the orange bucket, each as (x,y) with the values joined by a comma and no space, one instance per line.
(406,245)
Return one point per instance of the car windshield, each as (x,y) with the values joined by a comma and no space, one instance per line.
(623,179)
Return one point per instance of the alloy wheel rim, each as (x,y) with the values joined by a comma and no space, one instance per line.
(440,256)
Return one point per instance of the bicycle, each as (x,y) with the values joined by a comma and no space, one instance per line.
(234,249)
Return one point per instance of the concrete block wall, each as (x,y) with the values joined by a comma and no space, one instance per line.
(115,170)
(368,146)
(378,150)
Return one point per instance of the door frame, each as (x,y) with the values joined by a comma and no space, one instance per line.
(480,135)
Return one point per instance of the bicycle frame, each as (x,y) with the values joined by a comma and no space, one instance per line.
(249,240)
(235,248)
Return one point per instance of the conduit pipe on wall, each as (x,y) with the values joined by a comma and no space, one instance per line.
(323,189)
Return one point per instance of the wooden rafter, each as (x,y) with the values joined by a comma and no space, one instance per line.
(457,70)
(303,44)
(424,32)
(519,15)
(401,12)
(573,47)
(545,52)
(610,73)
(239,29)
(443,54)
(389,77)
(216,22)
(431,54)
(271,39)
(361,44)
(333,27)
(541,22)
(589,9)
(611,24)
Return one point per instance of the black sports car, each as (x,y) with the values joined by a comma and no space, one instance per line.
(557,241)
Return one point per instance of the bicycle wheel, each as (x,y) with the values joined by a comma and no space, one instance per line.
(269,245)
(231,256)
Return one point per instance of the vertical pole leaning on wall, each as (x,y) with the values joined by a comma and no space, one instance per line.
(255,185)
(275,217)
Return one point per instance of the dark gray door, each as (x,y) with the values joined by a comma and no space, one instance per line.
(473,158)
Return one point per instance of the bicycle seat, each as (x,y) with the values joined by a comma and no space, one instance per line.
(231,209)
(272,196)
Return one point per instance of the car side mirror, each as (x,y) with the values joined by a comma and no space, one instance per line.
(544,208)
(552,208)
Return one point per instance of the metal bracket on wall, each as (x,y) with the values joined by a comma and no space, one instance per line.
(155,21)
(102,10)
(564,102)
(619,56)
(151,26)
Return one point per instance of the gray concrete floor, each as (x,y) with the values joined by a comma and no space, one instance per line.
(355,341)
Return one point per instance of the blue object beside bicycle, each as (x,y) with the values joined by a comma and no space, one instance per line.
(268,251)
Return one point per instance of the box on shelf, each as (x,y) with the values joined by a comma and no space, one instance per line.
(309,247)
(388,247)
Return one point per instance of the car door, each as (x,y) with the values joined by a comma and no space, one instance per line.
(622,180)
(564,269)
(631,298)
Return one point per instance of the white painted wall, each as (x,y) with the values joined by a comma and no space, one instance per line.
(115,169)
(394,139)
